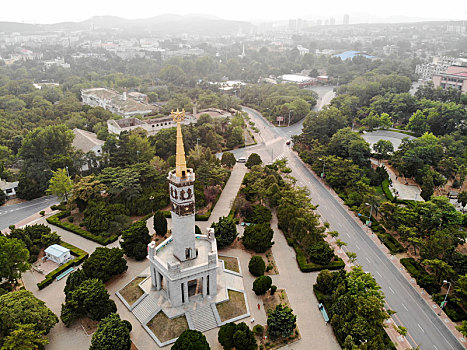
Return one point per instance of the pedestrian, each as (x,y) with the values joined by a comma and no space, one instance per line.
(252,320)
(258,307)
(396,177)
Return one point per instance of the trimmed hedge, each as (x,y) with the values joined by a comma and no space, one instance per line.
(55,220)
(310,267)
(423,278)
(80,254)
(391,243)
(386,190)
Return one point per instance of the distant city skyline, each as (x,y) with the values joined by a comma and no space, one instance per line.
(54,11)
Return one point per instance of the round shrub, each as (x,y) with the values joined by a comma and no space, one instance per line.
(273,289)
(262,284)
(258,329)
(256,266)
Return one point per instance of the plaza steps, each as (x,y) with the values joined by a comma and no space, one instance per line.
(203,318)
(145,309)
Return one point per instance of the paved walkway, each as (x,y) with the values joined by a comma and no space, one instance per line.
(399,189)
(316,334)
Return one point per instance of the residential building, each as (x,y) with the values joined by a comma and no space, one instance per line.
(439,65)
(121,104)
(10,188)
(454,77)
(87,141)
(346,19)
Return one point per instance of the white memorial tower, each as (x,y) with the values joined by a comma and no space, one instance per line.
(184,265)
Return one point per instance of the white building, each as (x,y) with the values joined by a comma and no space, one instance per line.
(439,65)
(302,50)
(10,188)
(185,261)
(300,80)
(122,104)
(185,278)
(58,254)
(87,141)
(153,126)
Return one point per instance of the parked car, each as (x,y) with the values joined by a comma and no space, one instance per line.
(241,160)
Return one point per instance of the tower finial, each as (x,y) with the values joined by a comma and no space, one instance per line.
(180,163)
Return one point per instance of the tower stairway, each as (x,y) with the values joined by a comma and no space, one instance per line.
(203,318)
(147,307)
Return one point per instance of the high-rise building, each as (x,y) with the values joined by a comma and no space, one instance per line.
(346,19)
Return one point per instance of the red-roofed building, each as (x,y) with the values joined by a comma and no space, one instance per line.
(454,77)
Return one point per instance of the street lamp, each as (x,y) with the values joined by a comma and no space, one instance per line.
(324,164)
(371,214)
(152,208)
(290,111)
(67,173)
(443,304)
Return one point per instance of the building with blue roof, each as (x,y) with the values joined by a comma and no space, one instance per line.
(349,55)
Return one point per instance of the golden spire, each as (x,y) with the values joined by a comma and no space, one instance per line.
(180,163)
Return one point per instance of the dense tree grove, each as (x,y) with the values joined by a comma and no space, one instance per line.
(237,336)
(135,240)
(112,334)
(355,305)
(191,340)
(225,231)
(89,298)
(24,320)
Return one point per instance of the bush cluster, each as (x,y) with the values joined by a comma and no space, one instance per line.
(256,266)
(55,220)
(423,278)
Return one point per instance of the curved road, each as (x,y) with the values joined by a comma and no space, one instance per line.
(425,328)
(11,214)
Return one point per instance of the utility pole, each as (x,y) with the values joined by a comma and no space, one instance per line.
(197,145)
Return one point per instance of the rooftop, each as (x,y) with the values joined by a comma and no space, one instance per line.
(56,250)
(165,253)
(351,54)
(296,78)
(85,140)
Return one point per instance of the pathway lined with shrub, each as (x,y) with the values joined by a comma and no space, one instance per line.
(316,334)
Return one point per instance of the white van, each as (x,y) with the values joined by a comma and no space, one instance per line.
(241,160)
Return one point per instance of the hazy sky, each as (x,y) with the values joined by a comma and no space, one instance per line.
(52,11)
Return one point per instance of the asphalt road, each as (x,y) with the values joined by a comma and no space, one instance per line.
(11,214)
(425,328)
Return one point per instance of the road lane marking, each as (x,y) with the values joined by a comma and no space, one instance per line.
(357,246)
(367,259)
(391,290)
(379,274)
(405,307)
(420,328)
